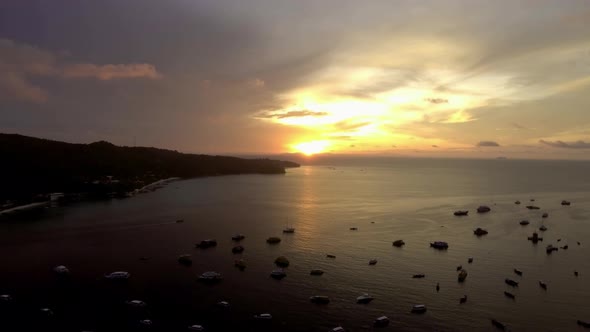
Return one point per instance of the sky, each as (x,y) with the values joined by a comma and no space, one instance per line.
(441,78)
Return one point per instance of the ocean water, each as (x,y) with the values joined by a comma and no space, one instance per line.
(386,199)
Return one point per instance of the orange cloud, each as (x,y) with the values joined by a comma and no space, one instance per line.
(109,72)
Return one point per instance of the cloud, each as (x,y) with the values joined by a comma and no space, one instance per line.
(20,64)
(567,145)
(435,146)
(290,114)
(437,100)
(487,144)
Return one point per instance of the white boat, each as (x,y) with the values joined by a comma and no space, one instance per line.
(136,303)
(381,321)
(5,298)
(372,262)
(145,322)
(223,304)
(47,311)
(278,274)
(264,316)
(289,230)
(61,270)
(337,329)
(196,328)
(119,275)
(419,308)
(365,298)
(210,276)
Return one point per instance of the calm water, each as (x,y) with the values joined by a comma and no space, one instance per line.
(387,200)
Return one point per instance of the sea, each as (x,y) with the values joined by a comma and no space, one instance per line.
(385,199)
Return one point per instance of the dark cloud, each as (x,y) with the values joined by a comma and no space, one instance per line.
(437,100)
(291,114)
(567,145)
(435,146)
(487,144)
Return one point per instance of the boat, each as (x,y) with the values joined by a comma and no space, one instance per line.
(47,312)
(196,328)
(459,268)
(381,321)
(517,202)
(511,282)
(337,329)
(204,244)
(185,260)
(61,270)
(119,275)
(238,237)
(565,247)
(461,213)
(316,272)
(145,322)
(354,229)
(278,274)
(240,264)
(462,275)
(550,248)
(519,272)
(319,299)
(564,202)
(498,325)
(437,286)
(532,207)
(210,276)
(237,249)
(483,209)
(223,304)
(419,308)
(282,261)
(535,238)
(480,232)
(463,299)
(330,256)
(364,299)
(398,243)
(264,316)
(289,230)
(545,215)
(542,285)
(418,276)
(372,262)
(524,222)
(470,260)
(510,295)
(5,298)
(584,323)
(543,228)
(273,240)
(179,221)
(576,273)
(441,245)
(136,304)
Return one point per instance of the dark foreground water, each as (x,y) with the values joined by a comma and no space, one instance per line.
(387,200)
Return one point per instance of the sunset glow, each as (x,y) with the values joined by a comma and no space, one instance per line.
(311,148)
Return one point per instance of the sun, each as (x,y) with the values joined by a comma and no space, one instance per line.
(311,148)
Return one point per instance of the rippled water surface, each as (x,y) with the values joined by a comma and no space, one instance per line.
(386,200)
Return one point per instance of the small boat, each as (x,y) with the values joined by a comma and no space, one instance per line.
(535,238)
(584,323)
(278,274)
(550,248)
(196,328)
(441,245)
(532,199)
(543,228)
(498,325)
(61,270)
(178,221)
(511,282)
(470,260)
(461,213)
(558,240)
(210,276)
(463,299)
(264,316)
(510,295)
(480,232)
(372,262)
(273,240)
(316,272)
(418,276)
(364,299)
(517,202)
(483,209)
(576,273)
(185,260)
(398,243)
(532,207)
(238,237)
(145,322)
(437,287)
(545,215)
(543,285)
(337,329)
(136,304)
(354,229)
(119,275)
(223,304)
(578,242)
(462,275)
(5,298)
(459,268)
(47,312)
(330,256)
(381,321)
(237,249)
(204,244)
(565,247)
(419,308)
(519,272)
(240,264)
(319,299)
(282,261)
(289,230)
(564,202)
(524,222)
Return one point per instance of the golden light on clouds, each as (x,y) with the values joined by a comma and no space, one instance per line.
(311,148)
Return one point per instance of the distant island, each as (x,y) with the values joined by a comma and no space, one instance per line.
(33,168)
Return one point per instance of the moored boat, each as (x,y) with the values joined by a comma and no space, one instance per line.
(398,243)
(364,299)
(461,213)
(211,276)
(381,321)
(441,245)
(319,299)
(462,275)
(419,308)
